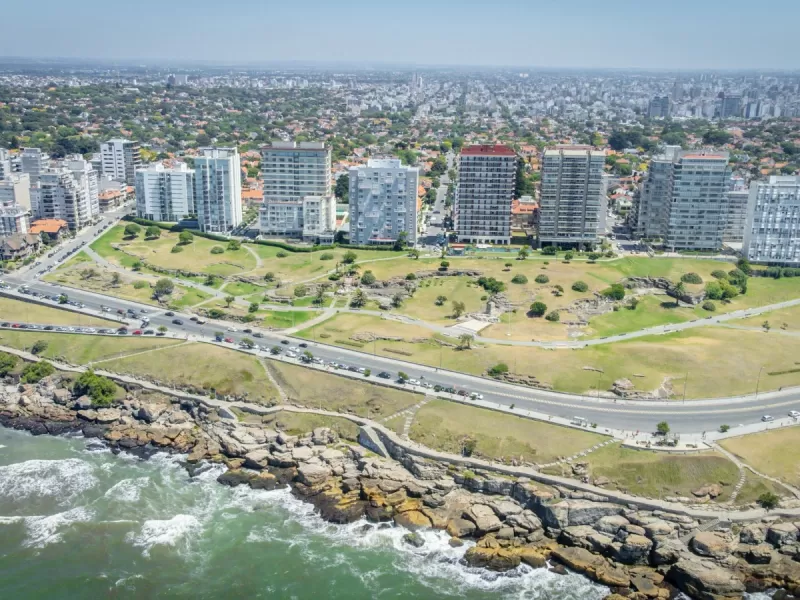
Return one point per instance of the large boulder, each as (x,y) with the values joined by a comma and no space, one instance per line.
(106,416)
(484,518)
(752,534)
(711,544)
(575,512)
(494,559)
(611,524)
(666,551)
(311,474)
(593,566)
(257,459)
(412,519)
(525,520)
(576,535)
(302,453)
(635,550)
(505,508)
(704,580)
(782,534)
(460,528)
(149,412)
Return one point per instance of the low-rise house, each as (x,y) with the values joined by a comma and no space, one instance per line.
(19,246)
(55,228)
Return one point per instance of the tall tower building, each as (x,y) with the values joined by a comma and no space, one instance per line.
(655,194)
(573,196)
(15,204)
(772,232)
(165,194)
(218,189)
(383,202)
(120,159)
(86,178)
(484,194)
(5,164)
(659,107)
(293,172)
(33,162)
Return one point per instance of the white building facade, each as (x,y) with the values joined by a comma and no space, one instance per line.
(120,159)
(772,233)
(165,194)
(484,194)
(218,189)
(573,197)
(15,204)
(383,202)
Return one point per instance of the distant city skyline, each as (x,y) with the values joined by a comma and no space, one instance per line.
(682,35)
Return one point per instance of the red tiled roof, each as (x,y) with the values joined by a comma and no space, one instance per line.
(487,150)
(48,225)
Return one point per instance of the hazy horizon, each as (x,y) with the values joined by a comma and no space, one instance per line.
(678,36)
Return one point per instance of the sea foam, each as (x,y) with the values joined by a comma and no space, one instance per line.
(60,480)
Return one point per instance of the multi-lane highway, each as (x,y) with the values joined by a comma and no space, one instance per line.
(690,417)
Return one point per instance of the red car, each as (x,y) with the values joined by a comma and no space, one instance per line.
(229,340)
(137,332)
(15,326)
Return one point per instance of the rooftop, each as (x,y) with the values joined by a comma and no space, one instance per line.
(487,150)
(48,226)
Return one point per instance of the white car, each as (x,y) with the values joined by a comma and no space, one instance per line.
(767,418)
(232,329)
(794,414)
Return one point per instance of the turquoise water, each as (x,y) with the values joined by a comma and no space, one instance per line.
(76,523)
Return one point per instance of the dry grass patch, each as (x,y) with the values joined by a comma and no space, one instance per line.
(295,423)
(775,453)
(498,436)
(328,391)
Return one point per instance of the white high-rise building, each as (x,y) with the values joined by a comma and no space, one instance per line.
(772,233)
(383,202)
(15,204)
(86,179)
(484,194)
(573,196)
(5,164)
(736,212)
(291,173)
(655,194)
(33,162)
(165,194)
(57,195)
(218,189)
(319,219)
(121,158)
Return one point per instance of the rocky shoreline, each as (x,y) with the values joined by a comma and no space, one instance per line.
(507,522)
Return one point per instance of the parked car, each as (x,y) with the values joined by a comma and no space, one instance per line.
(303,345)
(794,414)
(285,342)
(169,313)
(258,334)
(149,332)
(177,322)
(247,330)
(767,418)
(137,332)
(228,340)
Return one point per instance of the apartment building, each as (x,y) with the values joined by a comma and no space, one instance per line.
(698,202)
(659,108)
(772,232)
(319,219)
(653,200)
(218,189)
(736,212)
(33,161)
(57,195)
(383,202)
(15,204)
(573,196)
(165,194)
(5,164)
(120,159)
(482,212)
(86,180)
(292,173)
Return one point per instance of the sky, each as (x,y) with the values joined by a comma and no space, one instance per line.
(676,34)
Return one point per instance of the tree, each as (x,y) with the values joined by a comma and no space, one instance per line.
(185,237)
(633,303)
(162,329)
(580,286)
(275,350)
(709,306)
(100,389)
(308,356)
(615,292)
(63,299)
(349,257)
(248,342)
(724,428)
(269,277)
(152,232)
(411,276)
(253,307)
(523,253)
(553,316)
(132,230)
(769,500)
(508,266)
(468,449)
(744,266)
(593,256)
(401,241)
(359,299)
(164,287)
(444,265)
(440,300)
(35,372)
(367,372)
(368,278)
(413,253)
(498,370)
(217,250)
(550,250)
(542,279)
(116,278)
(519,278)
(569,255)
(300,291)
(458,308)
(8,363)
(465,341)
(402,376)
(693,278)
(229,300)
(538,309)
(397,300)
(662,428)
(766,326)
(342,189)
(38,347)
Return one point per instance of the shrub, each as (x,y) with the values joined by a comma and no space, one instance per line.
(7,363)
(410,277)
(444,265)
(553,316)
(491,285)
(550,250)
(691,278)
(594,256)
(35,372)
(216,313)
(100,389)
(724,428)
(217,250)
(164,287)
(176,249)
(569,255)
(519,278)
(538,309)
(709,306)
(139,285)
(440,300)
(281,254)
(132,230)
(718,274)
(615,292)
(368,278)
(768,500)
(152,232)
(349,257)
(542,279)
(38,347)
(185,237)
(498,369)
(300,291)
(326,256)
(234,245)
(633,303)
(580,286)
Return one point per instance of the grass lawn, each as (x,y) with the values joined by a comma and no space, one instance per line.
(658,474)
(187,297)
(720,362)
(396,424)
(651,312)
(754,486)
(28,312)
(241,288)
(309,301)
(775,453)
(301,423)
(314,389)
(423,304)
(82,349)
(283,319)
(203,366)
(195,257)
(785,318)
(446,425)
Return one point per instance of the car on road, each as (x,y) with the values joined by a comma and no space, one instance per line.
(200,321)
(476,396)
(303,345)
(149,332)
(232,329)
(137,332)
(247,330)
(228,340)
(767,418)
(285,342)
(258,334)
(48,328)
(169,313)
(177,322)
(122,331)
(384,375)
(794,414)
(120,311)
(353,369)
